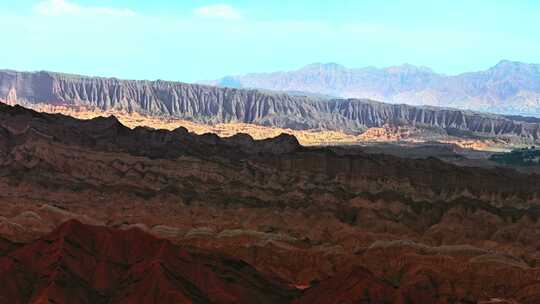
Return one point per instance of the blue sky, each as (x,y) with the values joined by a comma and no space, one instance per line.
(195,40)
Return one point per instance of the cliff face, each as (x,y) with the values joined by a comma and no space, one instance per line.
(214,105)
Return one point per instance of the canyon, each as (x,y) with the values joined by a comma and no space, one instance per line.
(311,224)
(182,152)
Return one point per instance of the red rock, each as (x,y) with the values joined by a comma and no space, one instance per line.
(79,263)
(436,231)
(356,286)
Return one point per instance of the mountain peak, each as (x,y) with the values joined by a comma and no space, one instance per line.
(408,68)
(506,64)
(324,66)
(506,68)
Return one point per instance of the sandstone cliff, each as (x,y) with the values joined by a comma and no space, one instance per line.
(217,105)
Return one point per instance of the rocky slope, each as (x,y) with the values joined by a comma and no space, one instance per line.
(79,263)
(217,105)
(508,87)
(430,231)
(25,133)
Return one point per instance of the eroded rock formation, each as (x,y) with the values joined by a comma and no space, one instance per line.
(89,264)
(421,227)
(208,104)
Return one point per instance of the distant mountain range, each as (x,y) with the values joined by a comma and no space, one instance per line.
(507,88)
(211,105)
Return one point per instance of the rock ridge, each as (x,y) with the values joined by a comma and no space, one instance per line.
(211,105)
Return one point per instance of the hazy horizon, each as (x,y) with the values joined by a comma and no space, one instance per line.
(202,40)
(262,72)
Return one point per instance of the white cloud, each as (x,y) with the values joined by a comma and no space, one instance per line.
(221,11)
(63,7)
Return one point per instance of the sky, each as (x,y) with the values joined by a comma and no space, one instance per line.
(191,40)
